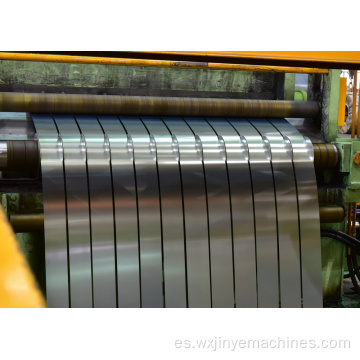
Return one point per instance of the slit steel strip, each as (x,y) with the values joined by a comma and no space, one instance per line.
(171,212)
(195,212)
(265,214)
(218,198)
(127,246)
(77,211)
(149,212)
(308,213)
(287,214)
(101,214)
(56,253)
(242,213)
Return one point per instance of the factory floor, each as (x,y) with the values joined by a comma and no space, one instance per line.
(350,298)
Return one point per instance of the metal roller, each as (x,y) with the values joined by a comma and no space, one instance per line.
(55,224)
(101,211)
(153,105)
(150,235)
(23,155)
(308,213)
(77,202)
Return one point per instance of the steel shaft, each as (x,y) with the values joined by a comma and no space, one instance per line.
(151,105)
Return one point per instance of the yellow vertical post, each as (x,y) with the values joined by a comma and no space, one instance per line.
(342,102)
(353,122)
(358,119)
(17,283)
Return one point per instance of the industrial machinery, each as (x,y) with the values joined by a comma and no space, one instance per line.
(181,179)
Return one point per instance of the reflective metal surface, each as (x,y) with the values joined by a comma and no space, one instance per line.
(3,154)
(287,214)
(243,227)
(265,214)
(125,202)
(218,202)
(55,225)
(101,211)
(164,211)
(172,220)
(80,267)
(150,234)
(195,213)
(308,213)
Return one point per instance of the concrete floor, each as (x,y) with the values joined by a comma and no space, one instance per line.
(350,298)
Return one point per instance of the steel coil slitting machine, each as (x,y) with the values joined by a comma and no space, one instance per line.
(147,185)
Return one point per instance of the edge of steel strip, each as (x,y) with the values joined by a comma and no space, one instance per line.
(149,212)
(101,211)
(126,218)
(56,243)
(237,156)
(195,213)
(77,211)
(265,214)
(171,201)
(287,213)
(310,243)
(218,200)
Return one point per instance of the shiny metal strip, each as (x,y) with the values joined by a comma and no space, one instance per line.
(195,213)
(101,211)
(308,213)
(77,211)
(265,214)
(219,212)
(243,228)
(149,212)
(126,222)
(287,214)
(56,253)
(167,150)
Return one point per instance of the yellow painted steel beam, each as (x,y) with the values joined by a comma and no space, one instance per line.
(17,284)
(342,102)
(154,63)
(350,57)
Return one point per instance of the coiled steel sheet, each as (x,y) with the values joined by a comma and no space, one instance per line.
(178,212)
(55,217)
(77,200)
